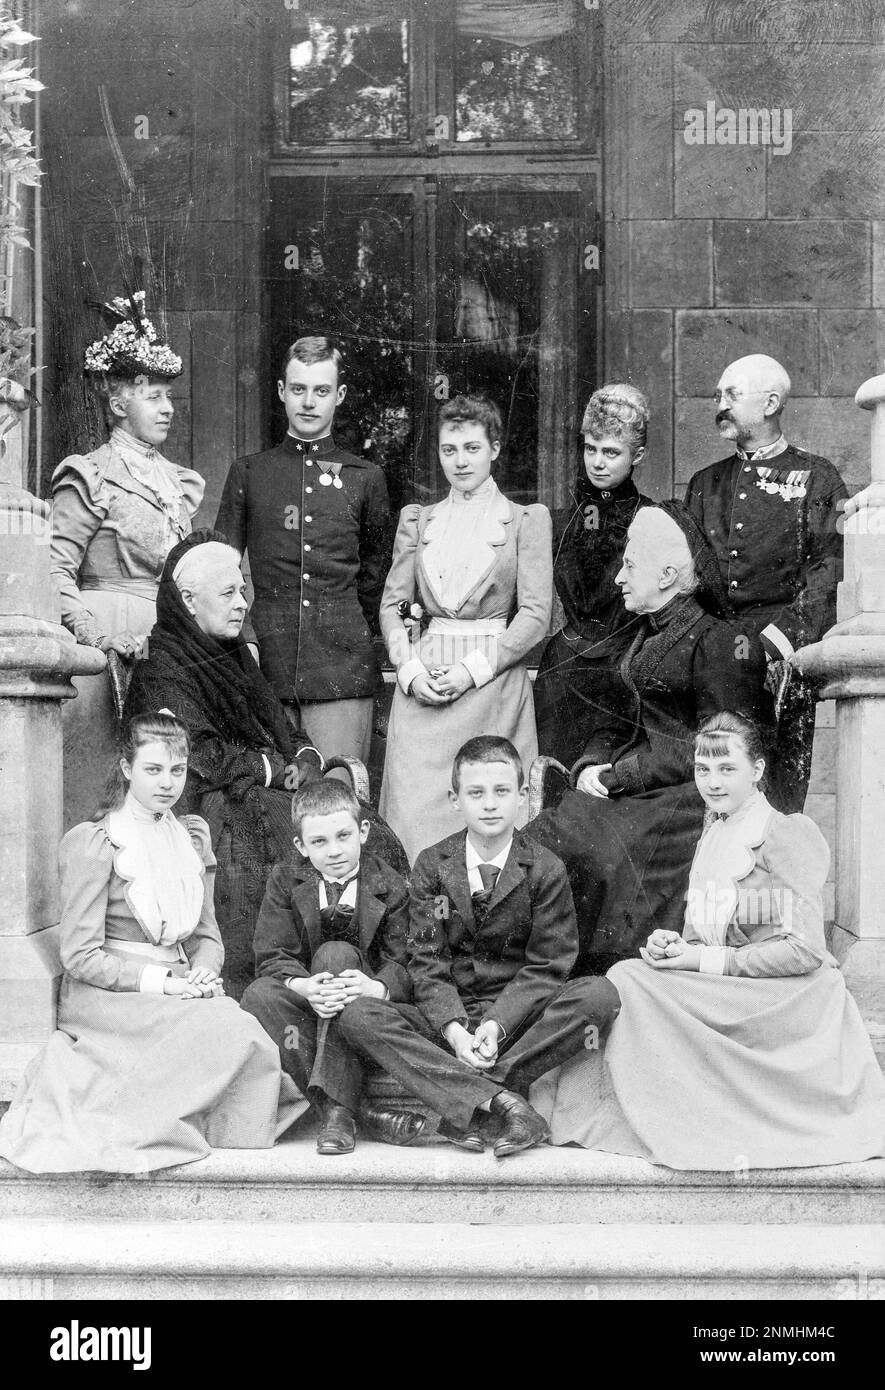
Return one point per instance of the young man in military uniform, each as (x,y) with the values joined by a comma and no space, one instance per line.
(314,520)
(770,511)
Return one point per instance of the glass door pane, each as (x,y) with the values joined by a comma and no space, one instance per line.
(514,320)
(342,263)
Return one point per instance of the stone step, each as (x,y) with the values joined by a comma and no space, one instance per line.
(438,1183)
(235,1259)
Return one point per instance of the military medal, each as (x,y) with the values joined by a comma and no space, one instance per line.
(325,480)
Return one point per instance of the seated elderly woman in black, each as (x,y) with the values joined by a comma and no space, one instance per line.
(627,831)
(246,757)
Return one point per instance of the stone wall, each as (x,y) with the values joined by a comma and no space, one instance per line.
(153,146)
(715,250)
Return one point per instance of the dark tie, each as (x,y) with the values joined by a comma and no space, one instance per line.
(489,873)
(333,892)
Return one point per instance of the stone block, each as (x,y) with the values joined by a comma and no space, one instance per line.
(640,350)
(696,440)
(827,86)
(828,175)
(214,362)
(649,152)
(30,814)
(852,348)
(719,180)
(805,263)
(823,765)
(879,266)
(670,263)
(778,22)
(826,714)
(161,170)
(837,430)
(707,340)
(821,808)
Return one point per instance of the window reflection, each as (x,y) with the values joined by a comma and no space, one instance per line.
(348,77)
(515,70)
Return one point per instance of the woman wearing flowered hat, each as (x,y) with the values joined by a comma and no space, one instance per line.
(116,513)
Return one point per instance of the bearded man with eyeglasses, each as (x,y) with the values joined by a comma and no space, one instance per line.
(770,511)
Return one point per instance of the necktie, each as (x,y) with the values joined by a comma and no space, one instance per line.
(489,873)
(333,892)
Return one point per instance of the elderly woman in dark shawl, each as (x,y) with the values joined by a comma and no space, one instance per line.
(628,826)
(246,757)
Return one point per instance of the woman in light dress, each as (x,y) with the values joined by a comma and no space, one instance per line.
(151,1066)
(116,513)
(738,1045)
(479,568)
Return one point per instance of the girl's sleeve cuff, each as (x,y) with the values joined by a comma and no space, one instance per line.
(152,979)
(408,671)
(712,960)
(478,666)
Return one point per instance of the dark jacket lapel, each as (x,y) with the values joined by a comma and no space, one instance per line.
(513,872)
(305,896)
(371,906)
(453,873)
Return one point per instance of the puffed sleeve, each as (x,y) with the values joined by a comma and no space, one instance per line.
(534,589)
(204,947)
(401,587)
(79,506)
(797,857)
(193,486)
(86,863)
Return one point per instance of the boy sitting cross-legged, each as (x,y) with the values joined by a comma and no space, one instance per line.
(492,939)
(332,929)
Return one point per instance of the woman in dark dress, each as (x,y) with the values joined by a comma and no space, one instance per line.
(628,829)
(580,660)
(246,757)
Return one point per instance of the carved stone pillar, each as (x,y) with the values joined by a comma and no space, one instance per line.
(37,659)
(850,660)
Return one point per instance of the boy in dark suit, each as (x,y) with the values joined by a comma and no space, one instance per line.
(492,939)
(332,929)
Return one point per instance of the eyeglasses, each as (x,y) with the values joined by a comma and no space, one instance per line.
(729,395)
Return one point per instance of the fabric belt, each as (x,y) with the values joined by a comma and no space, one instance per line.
(165,955)
(468,627)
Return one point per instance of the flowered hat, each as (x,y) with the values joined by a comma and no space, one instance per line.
(131,349)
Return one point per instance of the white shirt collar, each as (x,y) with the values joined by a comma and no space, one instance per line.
(348,897)
(768,451)
(474,878)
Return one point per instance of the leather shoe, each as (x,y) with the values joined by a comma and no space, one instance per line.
(472,1139)
(521,1127)
(338,1130)
(391,1126)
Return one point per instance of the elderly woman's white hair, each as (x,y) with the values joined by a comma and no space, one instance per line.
(200,561)
(656,532)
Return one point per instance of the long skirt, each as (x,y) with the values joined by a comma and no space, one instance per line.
(132,1082)
(89,724)
(575,689)
(724,1073)
(422,741)
(628,860)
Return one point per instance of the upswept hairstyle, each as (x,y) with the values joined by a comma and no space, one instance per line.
(145,728)
(711,740)
(620,410)
(463,410)
(314,349)
(486,748)
(324,799)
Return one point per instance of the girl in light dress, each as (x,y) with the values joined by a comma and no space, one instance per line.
(737,1045)
(479,569)
(151,1066)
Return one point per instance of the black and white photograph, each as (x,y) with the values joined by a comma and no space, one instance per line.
(442,639)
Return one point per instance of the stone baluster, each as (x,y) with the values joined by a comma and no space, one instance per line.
(850,661)
(37,659)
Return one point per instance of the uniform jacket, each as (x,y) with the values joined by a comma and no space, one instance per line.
(512,964)
(773,528)
(317,556)
(770,893)
(288,932)
(682,667)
